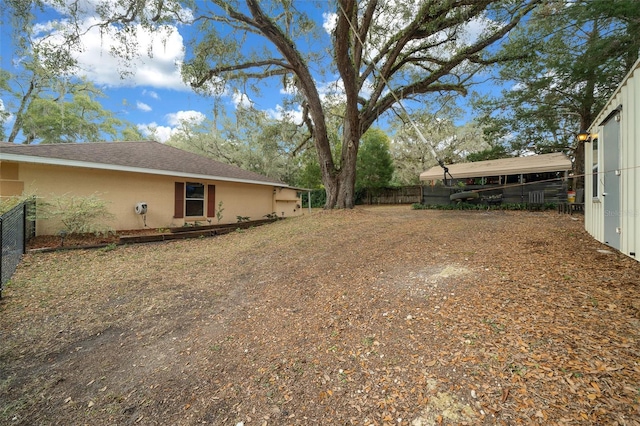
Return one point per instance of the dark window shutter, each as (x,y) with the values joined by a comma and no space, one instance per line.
(211,200)
(179,201)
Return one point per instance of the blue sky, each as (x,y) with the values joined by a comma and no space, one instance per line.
(154,96)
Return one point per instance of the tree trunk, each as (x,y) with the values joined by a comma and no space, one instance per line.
(348,59)
(347,177)
(578,166)
(17,124)
(340,186)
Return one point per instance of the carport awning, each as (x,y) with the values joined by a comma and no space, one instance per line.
(543,163)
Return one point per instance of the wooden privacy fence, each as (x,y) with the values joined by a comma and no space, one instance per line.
(401,195)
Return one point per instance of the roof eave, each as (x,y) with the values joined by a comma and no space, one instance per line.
(102,166)
(431,175)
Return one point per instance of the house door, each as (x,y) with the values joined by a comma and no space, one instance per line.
(611,177)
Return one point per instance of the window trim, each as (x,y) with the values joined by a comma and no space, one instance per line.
(187,199)
(595,168)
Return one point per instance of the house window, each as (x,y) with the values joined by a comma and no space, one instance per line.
(594,167)
(194,199)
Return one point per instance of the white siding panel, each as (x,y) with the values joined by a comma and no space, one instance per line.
(627,95)
(631,162)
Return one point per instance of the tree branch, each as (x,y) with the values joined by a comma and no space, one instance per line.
(429,84)
(285,68)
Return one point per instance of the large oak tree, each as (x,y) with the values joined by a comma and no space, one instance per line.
(379,53)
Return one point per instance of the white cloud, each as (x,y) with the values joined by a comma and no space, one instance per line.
(157,65)
(192,117)
(329,21)
(175,121)
(279,113)
(241,100)
(151,94)
(162,70)
(8,116)
(143,107)
(159,133)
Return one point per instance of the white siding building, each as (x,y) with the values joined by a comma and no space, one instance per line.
(612,191)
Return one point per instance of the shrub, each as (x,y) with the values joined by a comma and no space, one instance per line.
(7,204)
(78,214)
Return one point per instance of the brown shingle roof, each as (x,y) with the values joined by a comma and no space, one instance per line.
(149,155)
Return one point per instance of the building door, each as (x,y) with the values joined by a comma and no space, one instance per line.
(611,177)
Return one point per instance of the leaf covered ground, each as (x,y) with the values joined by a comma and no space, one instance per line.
(376,316)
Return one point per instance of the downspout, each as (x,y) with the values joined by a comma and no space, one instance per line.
(273,200)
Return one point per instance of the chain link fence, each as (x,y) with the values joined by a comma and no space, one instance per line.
(16,227)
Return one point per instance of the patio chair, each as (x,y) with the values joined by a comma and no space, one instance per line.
(536,200)
(578,205)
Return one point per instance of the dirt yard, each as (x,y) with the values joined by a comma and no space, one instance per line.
(377,316)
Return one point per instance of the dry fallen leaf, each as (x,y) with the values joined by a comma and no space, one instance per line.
(309,316)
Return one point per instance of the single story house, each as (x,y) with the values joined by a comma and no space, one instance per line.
(509,178)
(146,184)
(612,150)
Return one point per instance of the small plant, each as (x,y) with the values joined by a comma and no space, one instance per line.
(272,216)
(163,230)
(495,326)
(517,369)
(219,212)
(109,247)
(243,219)
(368,341)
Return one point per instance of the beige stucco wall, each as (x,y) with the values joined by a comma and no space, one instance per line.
(287,202)
(123,190)
(10,184)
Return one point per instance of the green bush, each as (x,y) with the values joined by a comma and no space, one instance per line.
(77,214)
(7,204)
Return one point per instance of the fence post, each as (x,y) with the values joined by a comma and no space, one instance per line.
(24,228)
